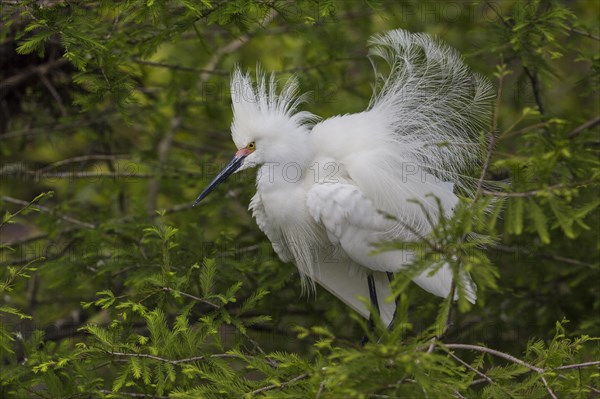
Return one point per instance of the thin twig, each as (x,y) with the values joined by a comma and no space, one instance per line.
(543,255)
(54,93)
(180,67)
(176,361)
(533,193)
(583,33)
(82,158)
(132,394)
(15,80)
(233,46)
(280,386)
(587,125)
(50,211)
(52,128)
(507,133)
(577,366)
(508,357)
(321,389)
(473,369)
(492,137)
(179,174)
(195,298)
(495,353)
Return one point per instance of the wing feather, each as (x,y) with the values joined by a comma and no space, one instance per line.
(275,236)
(351,219)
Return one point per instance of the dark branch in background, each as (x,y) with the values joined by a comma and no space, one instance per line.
(83,158)
(177,174)
(557,258)
(583,33)
(531,75)
(14,80)
(47,210)
(535,86)
(587,125)
(533,193)
(53,128)
(55,95)
(181,67)
(163,148)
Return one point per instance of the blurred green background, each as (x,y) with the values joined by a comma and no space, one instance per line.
(122,110)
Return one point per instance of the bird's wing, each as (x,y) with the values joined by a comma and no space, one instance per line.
(352,221)
(338,275)
(275,236)
(339,207)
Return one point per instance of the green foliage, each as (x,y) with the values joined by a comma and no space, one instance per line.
(112,285)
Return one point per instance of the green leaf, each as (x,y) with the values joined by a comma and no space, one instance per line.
(539,220)
(207,274)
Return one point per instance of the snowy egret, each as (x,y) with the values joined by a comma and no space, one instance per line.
(321,184)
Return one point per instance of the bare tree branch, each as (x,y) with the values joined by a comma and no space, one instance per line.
(494,352)
(587,125)
(577,366)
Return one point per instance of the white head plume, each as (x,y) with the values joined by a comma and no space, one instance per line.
(259,111)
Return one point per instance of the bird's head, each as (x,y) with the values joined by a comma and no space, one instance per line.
(266,127)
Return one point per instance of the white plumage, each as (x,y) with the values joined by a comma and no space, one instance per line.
(321,187)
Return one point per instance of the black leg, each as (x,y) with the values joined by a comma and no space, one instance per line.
(374,304)
(390,277)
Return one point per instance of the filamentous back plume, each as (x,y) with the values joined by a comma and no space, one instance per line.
(438,107)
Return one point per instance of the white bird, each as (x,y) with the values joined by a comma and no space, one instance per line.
(321,185)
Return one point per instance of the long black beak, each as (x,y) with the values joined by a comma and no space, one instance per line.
(227,171)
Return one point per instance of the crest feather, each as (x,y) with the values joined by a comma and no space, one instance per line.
(257,107)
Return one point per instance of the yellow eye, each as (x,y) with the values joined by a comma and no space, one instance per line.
(251,146)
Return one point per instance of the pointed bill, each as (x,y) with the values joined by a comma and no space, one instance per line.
(227,171)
